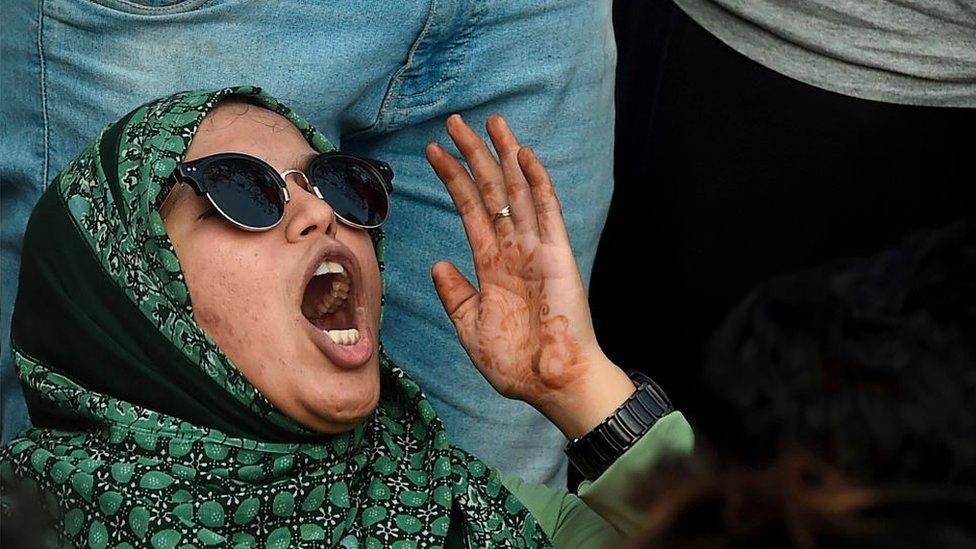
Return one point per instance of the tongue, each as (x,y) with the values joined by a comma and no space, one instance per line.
(341,319)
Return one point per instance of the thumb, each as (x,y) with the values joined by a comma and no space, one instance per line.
(459,297)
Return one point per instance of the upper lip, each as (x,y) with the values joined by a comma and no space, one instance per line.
(341,254)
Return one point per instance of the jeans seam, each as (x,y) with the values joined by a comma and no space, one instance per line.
(43,90)
(453,69)
(397,79)
(124,6)
(389,112)
(450,70)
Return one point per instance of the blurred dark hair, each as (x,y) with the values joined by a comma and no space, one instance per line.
(797,501)
(868,364)
(844,411)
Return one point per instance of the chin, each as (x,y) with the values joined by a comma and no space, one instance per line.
(331,414)
(345,420)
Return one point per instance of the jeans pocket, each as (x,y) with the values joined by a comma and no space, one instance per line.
(154,7)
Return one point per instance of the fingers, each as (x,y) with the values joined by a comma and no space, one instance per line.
(487,172)
(485,169)
(548,212)
(467,200)
(459,298)
(516,186)
(516,179)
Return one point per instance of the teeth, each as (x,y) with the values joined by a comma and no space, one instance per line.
(338,294)
(344,337)
(340,289)
(333,299)
(329,267)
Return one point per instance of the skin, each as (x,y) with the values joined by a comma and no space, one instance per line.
(526,327)
(246,287)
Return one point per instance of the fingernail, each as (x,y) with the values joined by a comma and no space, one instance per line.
(457,117)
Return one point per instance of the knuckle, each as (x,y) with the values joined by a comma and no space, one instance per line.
(550,208)
(467,207)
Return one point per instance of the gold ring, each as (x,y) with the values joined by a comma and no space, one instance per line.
(504,212)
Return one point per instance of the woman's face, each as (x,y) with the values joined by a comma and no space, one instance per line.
(256,293)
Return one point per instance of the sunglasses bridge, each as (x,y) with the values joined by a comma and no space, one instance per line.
(308,184)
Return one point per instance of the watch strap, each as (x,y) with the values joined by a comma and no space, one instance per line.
(596,450)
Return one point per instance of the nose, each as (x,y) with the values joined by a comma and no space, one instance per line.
(309,214)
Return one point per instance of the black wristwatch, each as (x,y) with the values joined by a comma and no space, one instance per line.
(593,452)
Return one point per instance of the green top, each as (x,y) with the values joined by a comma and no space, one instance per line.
(602,511)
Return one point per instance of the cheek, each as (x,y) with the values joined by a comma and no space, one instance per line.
(231,299)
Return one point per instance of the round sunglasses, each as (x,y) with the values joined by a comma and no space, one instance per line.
(251,194)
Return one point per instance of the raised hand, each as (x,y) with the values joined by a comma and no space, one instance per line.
(527,326)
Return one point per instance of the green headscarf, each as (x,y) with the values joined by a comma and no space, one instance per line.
(147,434)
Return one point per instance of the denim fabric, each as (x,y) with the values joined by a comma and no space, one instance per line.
(379,78)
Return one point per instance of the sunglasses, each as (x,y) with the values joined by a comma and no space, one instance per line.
(251,194)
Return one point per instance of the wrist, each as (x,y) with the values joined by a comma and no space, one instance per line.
(579,407)
(595,451)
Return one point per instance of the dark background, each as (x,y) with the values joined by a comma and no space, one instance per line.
(727,173)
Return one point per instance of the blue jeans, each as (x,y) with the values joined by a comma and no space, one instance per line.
(379,78)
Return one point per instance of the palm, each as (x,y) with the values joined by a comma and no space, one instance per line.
(527,328)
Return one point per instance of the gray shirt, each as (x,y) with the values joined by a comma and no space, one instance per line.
(915,52)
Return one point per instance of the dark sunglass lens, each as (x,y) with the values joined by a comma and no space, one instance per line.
(246,192)
(352,189)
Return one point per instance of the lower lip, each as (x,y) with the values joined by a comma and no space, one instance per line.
(344,356)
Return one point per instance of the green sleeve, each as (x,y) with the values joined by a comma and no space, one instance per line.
(602,512)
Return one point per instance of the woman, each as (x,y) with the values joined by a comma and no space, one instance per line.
(203,365)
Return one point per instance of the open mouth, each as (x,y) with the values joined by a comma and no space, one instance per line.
(334,305)
(330,305)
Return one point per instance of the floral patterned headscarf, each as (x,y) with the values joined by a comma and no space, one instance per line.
(146,434)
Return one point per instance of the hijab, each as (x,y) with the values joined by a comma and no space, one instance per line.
(147,434)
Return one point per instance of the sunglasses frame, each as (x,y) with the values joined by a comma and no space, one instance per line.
(189,173)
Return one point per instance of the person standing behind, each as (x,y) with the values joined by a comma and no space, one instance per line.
(380,79)
(915,52)
(771,136)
